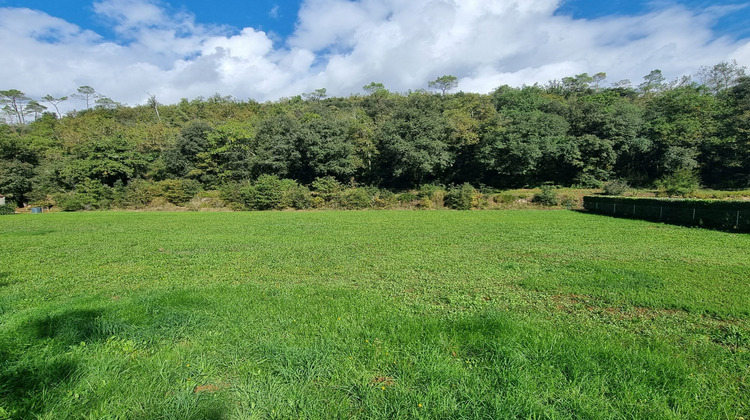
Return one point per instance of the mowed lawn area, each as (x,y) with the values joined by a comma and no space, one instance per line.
(371,314)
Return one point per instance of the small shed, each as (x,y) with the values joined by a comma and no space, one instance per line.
(2,200)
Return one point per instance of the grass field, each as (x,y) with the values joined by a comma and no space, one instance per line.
(374,314)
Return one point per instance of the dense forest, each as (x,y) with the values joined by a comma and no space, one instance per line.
(571,132)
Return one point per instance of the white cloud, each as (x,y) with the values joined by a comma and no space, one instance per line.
(342,45)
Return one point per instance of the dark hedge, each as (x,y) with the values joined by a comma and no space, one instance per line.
(714,214)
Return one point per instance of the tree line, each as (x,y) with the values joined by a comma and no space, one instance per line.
(573,132)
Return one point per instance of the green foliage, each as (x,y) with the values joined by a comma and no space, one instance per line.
(231,193)
(414,143)
(16,179)
(406,197)
(266,193)
(680,183)
(461,197)
(571,131)
(188,156)
(431,196)
(74,201)
(175,191)
(715,214)
(356,199)
(207,200)
(178,191)
(8,208)
(547,196)
(444,83)
(616,187)
(327,188)
(295,196)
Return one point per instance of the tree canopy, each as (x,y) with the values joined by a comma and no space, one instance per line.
(573,131)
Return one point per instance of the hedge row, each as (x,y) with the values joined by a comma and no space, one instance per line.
(714,214)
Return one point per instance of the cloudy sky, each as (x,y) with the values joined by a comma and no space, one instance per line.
(268,49)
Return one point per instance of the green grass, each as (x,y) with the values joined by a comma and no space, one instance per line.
(374,314)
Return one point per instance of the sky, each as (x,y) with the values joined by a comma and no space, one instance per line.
(269,49)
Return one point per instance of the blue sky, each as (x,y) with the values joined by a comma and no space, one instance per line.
(276,16)
(733,24)
(268,49)
(279,16)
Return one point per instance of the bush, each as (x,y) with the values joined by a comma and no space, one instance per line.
(140,193)
(295,196)
(431,196)
(266,193)
(406,197)
(616,187)
(178,191)
(461,198)
(74,201)
(232,195)
(587,180)
(356,199)
(681,183)
(8,208)
(384,198)
(547,197)
(328,188)
(208,200)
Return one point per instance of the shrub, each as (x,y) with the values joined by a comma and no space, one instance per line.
(681,183)
(317,202)
(265,194)
(406,197)
(587,180)
(356,199)
(384,198)
(328,188)
(461,198)
(8,208)
(209,200)
(295,196)
(139,193)
(431,196)
(231,194)
(547,197)
(178,191)
(74,201)
(616,187)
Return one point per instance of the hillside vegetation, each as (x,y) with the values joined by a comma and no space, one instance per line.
(572,132)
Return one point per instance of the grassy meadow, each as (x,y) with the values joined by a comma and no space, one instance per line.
(371,314)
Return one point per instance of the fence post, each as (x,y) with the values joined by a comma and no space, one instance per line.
(737,224)
(614,208)
(693,215)
(633,210)
(661,212)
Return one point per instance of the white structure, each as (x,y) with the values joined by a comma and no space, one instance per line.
(2,200)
